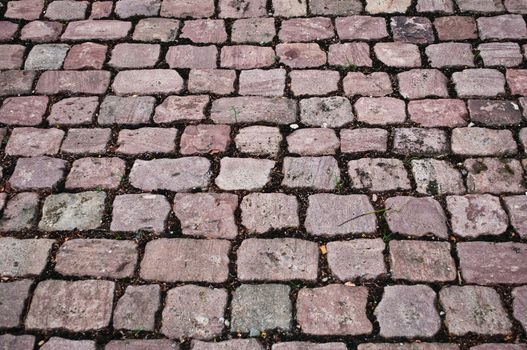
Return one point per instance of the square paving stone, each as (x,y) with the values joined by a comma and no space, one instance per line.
(17,342)
(474,309)
(259,307)
(437,177)
(20,213)
(200,139)
(333,310)
(408,311)
(519,305)
(421,83)
(416,217)
(494,175)
(74,111)
(194,312)
(318,173)
(517,209)
(476,215)
(74,306)
(186,260)
(147,140)
(244,173)
(177,175)
(86,55)
(73,211)
(56,343)
(130,110)
(378,174)
(97,258)
(16,82)
(37,173)
(96,172)
(137,308)
(23,110)
(46,56)
(279,259)
(140,212)
(262,212)
(233,344)
(209,215)
(356,259)
(504,263)
(86,141)
(31,142)
(330,215)
(422,261)
(259,140)
(13,296)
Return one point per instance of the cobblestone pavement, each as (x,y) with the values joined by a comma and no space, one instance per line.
(263,174)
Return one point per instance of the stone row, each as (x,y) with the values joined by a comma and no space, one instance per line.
(198,312)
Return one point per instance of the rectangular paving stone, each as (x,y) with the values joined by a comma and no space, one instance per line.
(187,8)
(56,343)
(253,30)
(398,54)
(204,31)
(46,56)
(359,27)
(205,139)
(244,173)
(330,112)
(380,110)
(438,112)
(358,259)
(147,82)
(378,174)
(500,54)
(86,141)
(214,81)
(23,110)
(279,259)
(456,28)
(31,142)
(504,263)
(335,7)
(41,31)
(96,173)
(262,82)
(137,8)
(73,82)
(156,29)
(494,175)
(494,113)
(482,82)
(408,346)
(313,142)
(247,9)
(306,29)
(433,176)
(24,9)
(17,342)
(301,55)
(139,344)
(313,82)
(233,344)
(104,30)
(262,212)
(502,27)
(11,56)
(259,140)
(419,141)
(319,173)
(98,258)
(77,306)
(16,82)
(137,308)
(66,10)
(303,345)
(375,84)
(86,56)
(130,110)
(147,140)
(190,56)
(482,142)
(181,109)
(363,140)
(127,55)
(13,296)
(233,110)
(37,173)
(520,305)
(186,260)
(73,111)
(140,212)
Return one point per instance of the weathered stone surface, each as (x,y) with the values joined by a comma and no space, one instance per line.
(520,305)
(32,142)
(363,140)
(450,55)
(67,10)
(156,29)
(301,55)
(181,109)
(494,113)
(37,173)
(290,8)
(378,174)
(75,306)
(320,173)
(408,346)
(455,28)
(209,215)
(147,82)
(259,307)
(253,30)
(335,7)
(137,308)
(260,82)
(331,112)
(127,55)
(502,27)
(330,214)
(482,82)
(482,142)
(97,258)
(417,30)
(233,110)
(517,209)
(306,29)
(313,82)
(397,54)
(333,310)
(381,6)
(41,31)
(445,6)
(178,175)
(246,8)
(302,345)
(73,82)
(199,139)
(186,8)
(7,30)
(313,141)
(422,261)
(421,83)
(494,175)
(438,112)
(72,211)
(356,259)
(139,344)
(350,55)
(259,140)
(46,56)
(20,213)
(380,110)
(96,172)
(86,56)
(244,173)
(433,176)
(408,311)
(261,212)
(279,259)
(194,311)
(374,84)
(105,30)
(360,27)
(23,110)
(186,260)
(81,141)
(74,111)
(140,212)
(419,141)
(189,56)
(56,343)
(233,344)
(17,342)
(13,296)
(16,82)
(134,8)
(480,5)
(246,56)
(215,81)
(500,54)
(25,9)
(474,309)
(416,216)
(516,79)
(504,263)
(147,140)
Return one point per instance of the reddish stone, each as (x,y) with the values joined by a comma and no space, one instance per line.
(137,308)
(215,81)
(381,6)
(319,173)
(233,344)
(139,344)
(189,56)
(421,83)
(41,31)
(350,55)
(8,30)
(147,140)
(520,306)
(259,140)
(333,310)
(209,215)
(204,31)
(243,9)
(73,111)
(408,346)
(330,215)
(194,312)
(98,258)
(177,175)
(94,172)
(186,260)
(181,109)
(416,30)
(303,345)
(134,56)
(129,110)
(480,6)
(301,55)
(482,142)
(244,173)
(380,110)
(374,84)
(247,56)
(479,82)
(31,142)
(74,306)
(105,30)
(335,7)
(66,10)
(494,113)
(23,257)
(233,110)
(17,342)
(80,141)
(502,27)
(11,56)
(16,82)
(363,140)
(260,82)
(73,82)
(438,113)
(332,112)
(156,29)
(500,54)
(378,174)
(19,214)
(147,82)
(398,54)
(263,212)
(24,9)
(456,28)
(517,209)
(313,141)
(356,259)
(435,177)
(290,8)
(136,8)
(85,56)
(23,110)
(494,175)
(361,28)
(444,6)
(140,212)
(198,139)
(450,55)
(101,9)
(313,82)
(187,8)
(56,343)
(37,173)
(13,296)
(419,141)
(253,30)
(306,29)
(517,81)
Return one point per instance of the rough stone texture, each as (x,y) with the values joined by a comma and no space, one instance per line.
(186,8)
(319,173)
(374,84)
(482,82)
(147,82)
(253,30)
(408,311)
(378,174)
(73,82)
(494,175)
(421,261)
(350,55)
(209,215)
(474,309)
(105,30)
(199,139)
(233,344)
(66,10)
(56,343)
(381,6)
(504,263)
(81,141)
(20,213)
(31,142)
(333,310)
(46,56)
(216,81)
(306,29)
(137,308)
(360,27)
(313,141)
(140,212)
(138,344)
(500,54)
(85,56)
(193,311)
(244,173)
(415,216)
(73,111)
(17,342)
(178,175)
(23,110)
(260,82)
(41,31)
(301,55)
(233,110)
(450,55)
(356,259)
(134,56)
(421,83)
(258,307)
(75,306)
(482,142)
(12,56)
(433,176)
(189,56)
(419,141)
(520,305)
(363,140)
(186,260)
(95,172)
(130,8)
(262,212)
(181,108)
(502,27)
(16,82)
(329,215)
(246,57)
(517,208)
(301,345)
(397,54)
(380,110)
(97,258)
(494,113)
(438,113)
(13,295)
(455,28)
(259,140)
(313,82)
(279,259)
(147,140)
(331,112)
(290,8)
(72,211)
(155,29)
(516,80)
(37,173)
(417,30)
